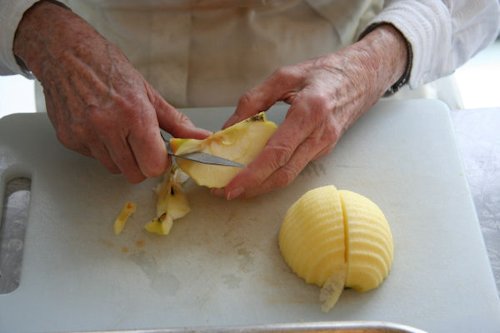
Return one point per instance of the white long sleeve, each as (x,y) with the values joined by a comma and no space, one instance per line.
(443,34)
(11,13)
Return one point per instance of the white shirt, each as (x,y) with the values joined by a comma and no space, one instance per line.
(208,52)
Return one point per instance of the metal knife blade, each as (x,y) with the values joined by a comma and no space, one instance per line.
(201,157)
(205,158)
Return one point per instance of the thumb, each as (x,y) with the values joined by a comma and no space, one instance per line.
(280,86)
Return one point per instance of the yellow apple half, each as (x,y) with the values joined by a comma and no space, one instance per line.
(337,239)
(241,143)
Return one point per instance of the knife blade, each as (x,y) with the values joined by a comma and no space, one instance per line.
(201,157)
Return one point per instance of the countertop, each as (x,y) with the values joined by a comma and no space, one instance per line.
(478,140)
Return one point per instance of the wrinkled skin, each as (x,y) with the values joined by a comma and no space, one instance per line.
(99,104)
(102,107)
(326,96)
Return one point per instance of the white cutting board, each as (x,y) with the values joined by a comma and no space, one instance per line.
(221,265)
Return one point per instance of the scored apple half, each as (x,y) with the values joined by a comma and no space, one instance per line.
(335,239)
(241,143)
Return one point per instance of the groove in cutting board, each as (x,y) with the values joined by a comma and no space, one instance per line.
(12,232)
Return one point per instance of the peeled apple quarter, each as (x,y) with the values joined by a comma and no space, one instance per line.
(337,239)
(241,142)
(311,238)
(370,248)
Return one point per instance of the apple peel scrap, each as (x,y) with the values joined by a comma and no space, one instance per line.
(335,239)
(171,204)
(127,210)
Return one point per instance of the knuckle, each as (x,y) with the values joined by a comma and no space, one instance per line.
(281,155)
(284,72)
(246,99)
(182,119)
(321,103)
(285,176)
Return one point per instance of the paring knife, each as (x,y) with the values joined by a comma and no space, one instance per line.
(201,157)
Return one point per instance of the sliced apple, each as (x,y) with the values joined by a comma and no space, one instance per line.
(334,239)
(240,143)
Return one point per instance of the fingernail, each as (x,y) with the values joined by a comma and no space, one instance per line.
(235,193)
(205,131)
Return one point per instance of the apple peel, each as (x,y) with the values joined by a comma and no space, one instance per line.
(171,203)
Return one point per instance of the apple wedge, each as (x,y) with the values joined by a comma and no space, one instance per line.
(241,143)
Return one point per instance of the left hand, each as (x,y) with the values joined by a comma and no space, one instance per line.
(326,95)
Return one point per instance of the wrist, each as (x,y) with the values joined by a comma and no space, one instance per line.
(32,38)
(393,52)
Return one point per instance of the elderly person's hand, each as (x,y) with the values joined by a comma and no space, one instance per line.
(98,103)
(326,95)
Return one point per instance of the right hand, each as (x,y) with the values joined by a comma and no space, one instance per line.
(99,104)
